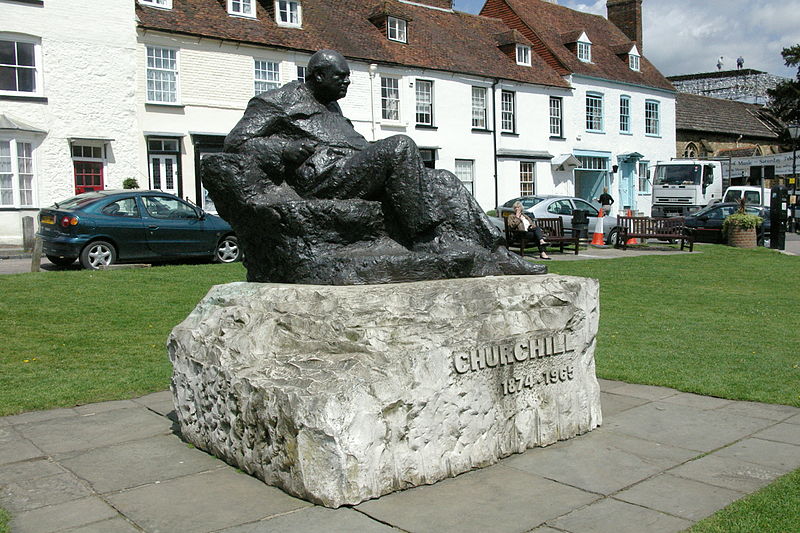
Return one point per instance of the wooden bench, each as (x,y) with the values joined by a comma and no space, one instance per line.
(669,229)
(553,230)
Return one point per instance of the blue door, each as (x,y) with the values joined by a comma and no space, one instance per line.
(627,185)
(589,184)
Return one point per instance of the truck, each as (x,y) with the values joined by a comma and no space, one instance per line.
(752,195)
(682,186)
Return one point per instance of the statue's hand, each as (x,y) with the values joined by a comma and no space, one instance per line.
(298,151)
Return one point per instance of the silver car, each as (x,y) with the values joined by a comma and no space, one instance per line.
(562,206)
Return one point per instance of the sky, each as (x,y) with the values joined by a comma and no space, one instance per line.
(689,36)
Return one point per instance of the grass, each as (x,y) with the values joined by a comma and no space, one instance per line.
(77,337)
(5,520)
(721,322)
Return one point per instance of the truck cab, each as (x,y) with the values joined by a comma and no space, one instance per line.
(752,195)
(683,186)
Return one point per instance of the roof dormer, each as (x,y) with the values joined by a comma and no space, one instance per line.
(579,44)
(513,44)
(629,53)
(242,8)
(392,20)
(288,13)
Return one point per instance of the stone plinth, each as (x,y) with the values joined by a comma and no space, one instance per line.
(341,394)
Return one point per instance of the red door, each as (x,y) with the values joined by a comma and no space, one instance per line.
(88,176)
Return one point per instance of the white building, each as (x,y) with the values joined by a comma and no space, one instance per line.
(165,80)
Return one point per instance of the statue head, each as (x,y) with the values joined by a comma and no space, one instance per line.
(328,76)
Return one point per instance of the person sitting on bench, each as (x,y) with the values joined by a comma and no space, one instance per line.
(519,221)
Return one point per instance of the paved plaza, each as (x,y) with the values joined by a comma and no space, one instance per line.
(661,461)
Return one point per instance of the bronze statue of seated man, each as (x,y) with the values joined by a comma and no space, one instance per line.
(312,201)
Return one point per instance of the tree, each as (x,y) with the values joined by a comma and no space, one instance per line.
(785,97)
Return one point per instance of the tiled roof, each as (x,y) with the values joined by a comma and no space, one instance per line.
(552,23)
(702,113)
(437,39)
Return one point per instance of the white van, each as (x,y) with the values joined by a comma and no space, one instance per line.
(752,195)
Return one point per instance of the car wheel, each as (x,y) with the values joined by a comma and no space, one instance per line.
(98,254)
(612,236)
(228,250)
(61,261)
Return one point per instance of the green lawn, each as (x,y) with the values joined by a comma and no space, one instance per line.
(720,321)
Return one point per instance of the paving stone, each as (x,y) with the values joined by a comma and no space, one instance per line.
(607,385)
(91,431)
(39,416)
(160,402)
(612,516)
(203,502)
(678,496)
(545,529)
(496,499)
(728,473)
(794,420)
(697,401)
(114,525)
(27,494)
(685,427)
(62,516)
(778,455)
(14,447)
(340,520)
(600,461)
(27,470)
(646,392)
(613,404)
(761,410)
(135,463)
(788,433)
(102,407)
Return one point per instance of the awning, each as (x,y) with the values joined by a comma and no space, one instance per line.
(11,124)
(524,154)
(565,162)
(629,157)
(73,140)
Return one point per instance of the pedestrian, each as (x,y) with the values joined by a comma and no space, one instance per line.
(605,201)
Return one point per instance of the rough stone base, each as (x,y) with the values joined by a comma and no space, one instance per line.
(341,394)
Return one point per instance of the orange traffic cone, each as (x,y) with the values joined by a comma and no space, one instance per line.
(598,239)
(632,240)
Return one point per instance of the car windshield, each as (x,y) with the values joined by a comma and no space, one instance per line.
(678,175)
(704,211)
(82,200)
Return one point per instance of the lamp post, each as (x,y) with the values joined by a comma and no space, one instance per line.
(794,133)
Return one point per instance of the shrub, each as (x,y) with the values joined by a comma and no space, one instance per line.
(130,183)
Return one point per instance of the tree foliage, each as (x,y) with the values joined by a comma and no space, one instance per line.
(785,97)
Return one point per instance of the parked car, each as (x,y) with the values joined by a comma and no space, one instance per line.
(562,206)
(101,228)
(707,222)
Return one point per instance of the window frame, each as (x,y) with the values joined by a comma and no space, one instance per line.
(584,51)
(523,53)
(527,187)
(241,12)
(175,79)
(652,118)
(15,174)
(301,71)
(297,12)
(88,153)
(508,108)
(386,98)
(557,118)
(591,119)
(397,26)
(266,81)
(466,166)
(644,180)
(625,114)
(422,107)
(634,62)
(480,116)
(36,68)
(158,4)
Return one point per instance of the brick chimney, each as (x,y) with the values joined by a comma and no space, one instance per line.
(627,16)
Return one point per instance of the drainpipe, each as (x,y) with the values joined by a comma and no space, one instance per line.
(494,141)
(373,69)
